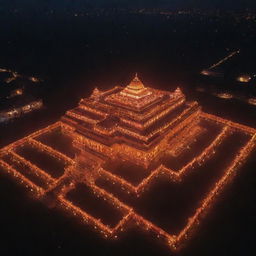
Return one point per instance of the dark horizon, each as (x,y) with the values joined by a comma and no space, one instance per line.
(67,5)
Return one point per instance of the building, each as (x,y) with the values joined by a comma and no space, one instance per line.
(134,123)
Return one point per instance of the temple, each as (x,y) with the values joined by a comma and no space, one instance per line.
(135,123)
(133,156)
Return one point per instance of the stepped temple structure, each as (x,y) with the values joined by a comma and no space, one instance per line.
(133,123)
(124,158)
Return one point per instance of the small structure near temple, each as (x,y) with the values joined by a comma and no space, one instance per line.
(124,157)
(16,98)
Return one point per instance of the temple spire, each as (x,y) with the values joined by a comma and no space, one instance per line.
(136,84)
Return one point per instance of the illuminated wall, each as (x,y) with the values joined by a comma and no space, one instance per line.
(140,126)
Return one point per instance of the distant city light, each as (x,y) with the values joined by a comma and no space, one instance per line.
(225,95)
(252,101)
(244,78)
(200,89)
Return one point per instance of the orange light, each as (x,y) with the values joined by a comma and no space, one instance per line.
(139,135)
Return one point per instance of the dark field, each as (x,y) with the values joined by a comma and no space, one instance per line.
(42,160)
(59,141)
(83,197)
(166,203)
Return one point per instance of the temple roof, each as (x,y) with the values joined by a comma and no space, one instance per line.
(135,84)
(135,89)
(135,96)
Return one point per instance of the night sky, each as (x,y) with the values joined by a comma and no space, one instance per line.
(170,4)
